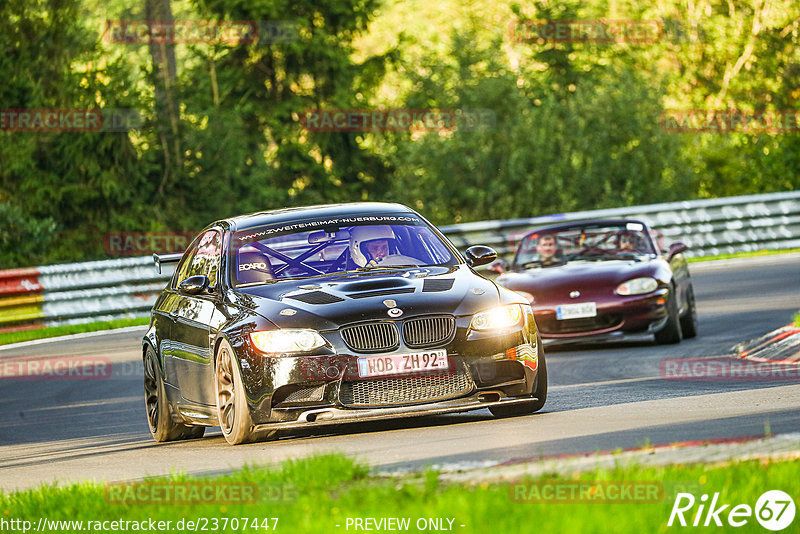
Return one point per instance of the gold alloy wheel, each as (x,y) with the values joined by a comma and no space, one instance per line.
(225,391)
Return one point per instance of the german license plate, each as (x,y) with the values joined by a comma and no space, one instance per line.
(576,311)
(402,363)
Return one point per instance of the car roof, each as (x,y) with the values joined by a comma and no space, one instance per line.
(287,215)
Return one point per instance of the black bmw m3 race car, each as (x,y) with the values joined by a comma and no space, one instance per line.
(331,314)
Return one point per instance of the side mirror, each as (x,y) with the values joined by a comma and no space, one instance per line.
(480,255)
(194,285)
(499,266)
(674,249)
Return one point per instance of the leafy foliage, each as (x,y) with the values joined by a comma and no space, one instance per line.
(573,125)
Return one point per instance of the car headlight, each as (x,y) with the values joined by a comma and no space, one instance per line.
(283,341)
(637,286)
(498,318)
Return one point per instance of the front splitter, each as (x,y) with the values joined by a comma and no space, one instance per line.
(335,416)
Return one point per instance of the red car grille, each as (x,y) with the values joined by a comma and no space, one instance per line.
(574,326)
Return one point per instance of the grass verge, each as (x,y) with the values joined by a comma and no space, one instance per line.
(327,493)
(65,330)
(743,255)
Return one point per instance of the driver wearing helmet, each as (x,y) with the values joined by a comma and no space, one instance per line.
(374,245)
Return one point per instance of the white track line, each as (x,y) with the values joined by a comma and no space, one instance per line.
(72,336)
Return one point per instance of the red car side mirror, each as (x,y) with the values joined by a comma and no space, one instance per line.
(676,248)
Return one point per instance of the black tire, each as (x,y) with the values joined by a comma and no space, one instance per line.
(671,332)
(689,319)
(539,392)
(157,409)
(232,410)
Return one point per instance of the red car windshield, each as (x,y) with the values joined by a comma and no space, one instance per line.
(595,242)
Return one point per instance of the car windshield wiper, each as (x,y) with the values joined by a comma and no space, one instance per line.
(603,257)
(588,257)
(385,267)
(534,263)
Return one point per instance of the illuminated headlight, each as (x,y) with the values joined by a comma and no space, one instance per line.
(637,286)
(283,341)
(498,318)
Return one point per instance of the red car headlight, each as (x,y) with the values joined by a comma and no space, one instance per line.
(637,286)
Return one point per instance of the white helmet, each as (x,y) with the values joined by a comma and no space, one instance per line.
(360,235)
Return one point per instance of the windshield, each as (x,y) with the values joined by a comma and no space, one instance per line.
(316,248)
(596,242)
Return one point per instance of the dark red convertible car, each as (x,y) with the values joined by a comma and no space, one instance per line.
(603,280)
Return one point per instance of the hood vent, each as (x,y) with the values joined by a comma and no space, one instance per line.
(316,297)
(437,284)
(381,293)
(369,285)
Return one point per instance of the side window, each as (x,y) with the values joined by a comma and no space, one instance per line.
(202,258)
(183,268)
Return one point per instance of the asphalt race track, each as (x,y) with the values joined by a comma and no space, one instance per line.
(601,398)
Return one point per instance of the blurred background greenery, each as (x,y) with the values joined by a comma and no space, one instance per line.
(576,125)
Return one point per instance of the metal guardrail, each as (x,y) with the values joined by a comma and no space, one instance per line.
(708,227)
(79,292)
(126,288)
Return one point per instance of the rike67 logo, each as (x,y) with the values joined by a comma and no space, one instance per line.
(774,510)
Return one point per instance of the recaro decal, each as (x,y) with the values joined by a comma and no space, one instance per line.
(250,266)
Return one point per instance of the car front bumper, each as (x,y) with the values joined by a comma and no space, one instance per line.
(620,318)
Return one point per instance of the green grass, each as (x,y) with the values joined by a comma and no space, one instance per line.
(744,254)
(324,491)
(65,330)
(796,321)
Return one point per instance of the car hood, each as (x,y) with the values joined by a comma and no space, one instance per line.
(326,303)
(596,278)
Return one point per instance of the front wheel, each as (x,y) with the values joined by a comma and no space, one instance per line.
(539,392)
(671,332)
(156,404)
(232,411)
(689,321)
